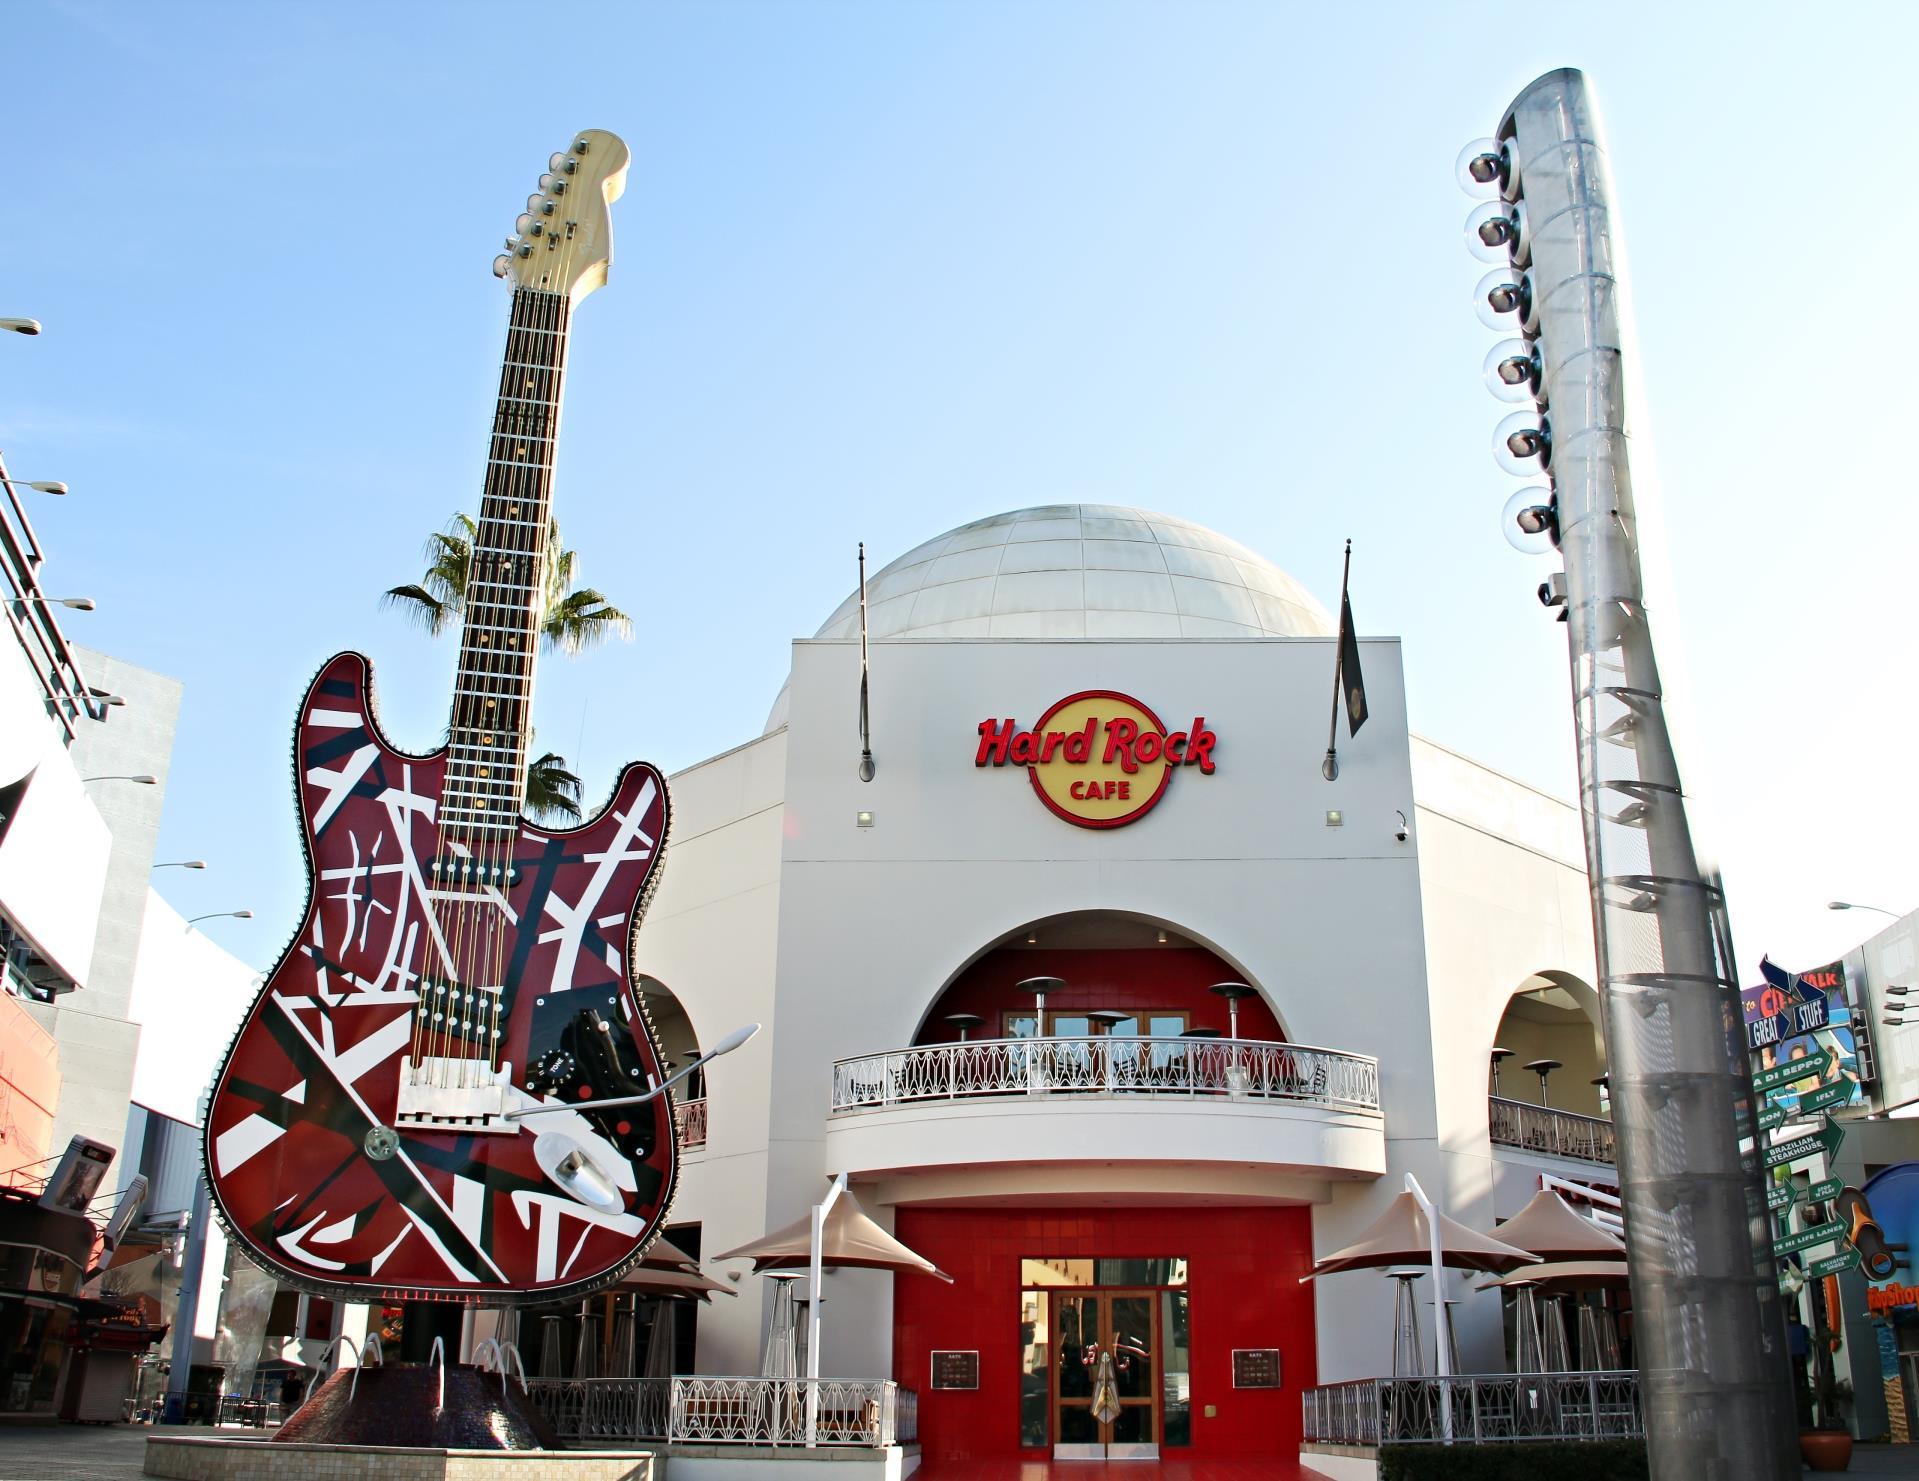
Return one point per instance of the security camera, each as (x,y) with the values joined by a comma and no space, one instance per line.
(1402,832)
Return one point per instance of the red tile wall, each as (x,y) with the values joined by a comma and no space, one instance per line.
(1174,977)
(1244,1292)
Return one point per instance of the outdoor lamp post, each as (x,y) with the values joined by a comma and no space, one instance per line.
(222,915)
(139,779)
(78,604)
(1849,905)
(21,326)
(50,486)
(182,864)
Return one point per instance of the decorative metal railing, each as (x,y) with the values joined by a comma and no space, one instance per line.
(690,1117)
(727,1411)
(1239,1069)
(1514,1123)
(604,1408)
(1486,1408)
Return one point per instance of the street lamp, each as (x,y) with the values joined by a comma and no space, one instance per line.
(222,915)
(52,486)
(142,779)
(79,604)
(1849,905)
(21,326)
(182,864)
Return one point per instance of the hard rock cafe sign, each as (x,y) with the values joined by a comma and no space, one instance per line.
(1098,759)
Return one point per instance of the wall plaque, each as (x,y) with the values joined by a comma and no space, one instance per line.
(1255,1367)
(955,1369)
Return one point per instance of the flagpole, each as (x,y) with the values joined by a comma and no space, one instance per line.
(1329,768)
(866,729)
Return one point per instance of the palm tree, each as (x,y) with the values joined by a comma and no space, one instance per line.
(571,621)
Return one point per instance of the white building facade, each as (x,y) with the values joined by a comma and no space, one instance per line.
(1114,1173)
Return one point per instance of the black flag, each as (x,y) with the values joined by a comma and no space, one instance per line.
(1352,683)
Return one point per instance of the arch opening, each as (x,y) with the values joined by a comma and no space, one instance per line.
(1551,1021)
(1119,972)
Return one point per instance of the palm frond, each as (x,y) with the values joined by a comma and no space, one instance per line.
(419,606)
(552,792)
(582,619)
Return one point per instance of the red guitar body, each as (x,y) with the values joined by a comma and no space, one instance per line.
(356,1141)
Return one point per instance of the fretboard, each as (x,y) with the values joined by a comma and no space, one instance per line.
(493,686)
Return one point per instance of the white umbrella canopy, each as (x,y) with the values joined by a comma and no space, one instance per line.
(850,1238)
(686,1283)
(1401,1236)
(1558,1277)
(1549,1228)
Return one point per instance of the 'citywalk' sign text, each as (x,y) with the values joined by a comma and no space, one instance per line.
(1098,759)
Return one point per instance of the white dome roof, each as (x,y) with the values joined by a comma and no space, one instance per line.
(1087,571)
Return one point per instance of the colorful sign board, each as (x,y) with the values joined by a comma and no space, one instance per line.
(1785,1074)
(1832,1264)
(1781,1195)
(1799,1025)
(1098,759)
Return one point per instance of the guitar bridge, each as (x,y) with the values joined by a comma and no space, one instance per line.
(432,1097)
(451,1085)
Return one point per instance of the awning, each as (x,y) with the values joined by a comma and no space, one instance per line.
(850,1238)
(1400,1236)
(1549,1228)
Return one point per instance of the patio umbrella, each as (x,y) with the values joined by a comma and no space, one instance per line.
(663,1254)
(849,1238)
(687,1283)
(1401,1236)
(1548,1227)
(1557,1277)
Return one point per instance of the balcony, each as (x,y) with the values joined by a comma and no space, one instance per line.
(690,1117)
(1513,1123)
(1108,1100)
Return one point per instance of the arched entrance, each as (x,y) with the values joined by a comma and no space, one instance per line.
(1546,1071)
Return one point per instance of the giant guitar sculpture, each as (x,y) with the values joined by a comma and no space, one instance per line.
(457,966)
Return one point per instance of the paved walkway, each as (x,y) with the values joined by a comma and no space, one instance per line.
(114,1452)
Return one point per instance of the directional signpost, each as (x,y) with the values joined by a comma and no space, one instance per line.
(1790,1244)
(1826,1139)
(1791,1071)
(1781,1195)
(1847,1259)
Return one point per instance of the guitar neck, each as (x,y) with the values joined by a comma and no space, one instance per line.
(506,579)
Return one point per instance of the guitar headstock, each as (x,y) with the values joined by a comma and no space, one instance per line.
(563,241)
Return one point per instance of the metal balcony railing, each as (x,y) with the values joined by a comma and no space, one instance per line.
(727,1411)
(1486,1408)
(1235,1069)
(1514,1123)
(690,1117)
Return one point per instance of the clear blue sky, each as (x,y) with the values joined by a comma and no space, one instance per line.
(886,267)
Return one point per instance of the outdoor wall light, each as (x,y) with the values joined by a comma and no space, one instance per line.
(1896,989)
(1502,300)
(1491,232)
(1530,520)
(863,819)
(1335,818)
(1483,168)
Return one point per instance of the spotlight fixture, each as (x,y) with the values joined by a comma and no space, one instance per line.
(1491,232)
(1530,520)
(1512,371)
(1896,989)
(1503,300)
(1482,169)
(1523,444)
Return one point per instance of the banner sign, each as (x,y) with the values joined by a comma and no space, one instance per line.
(1790,1022)
(1807,1238)
(1799,1027)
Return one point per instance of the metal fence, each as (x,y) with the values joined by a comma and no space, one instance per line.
(690,1117)
(1240,1069)
(1486,1408)
(604,1408)
(1514,1123)
(727,1411)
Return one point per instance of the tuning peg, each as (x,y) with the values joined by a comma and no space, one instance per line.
(552,185)
(539,205)
(500,265)
(522,222)
(563,162)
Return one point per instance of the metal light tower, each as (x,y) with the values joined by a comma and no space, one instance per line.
(1707,1323)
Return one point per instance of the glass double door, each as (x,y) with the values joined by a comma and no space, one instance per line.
(1106,1389)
